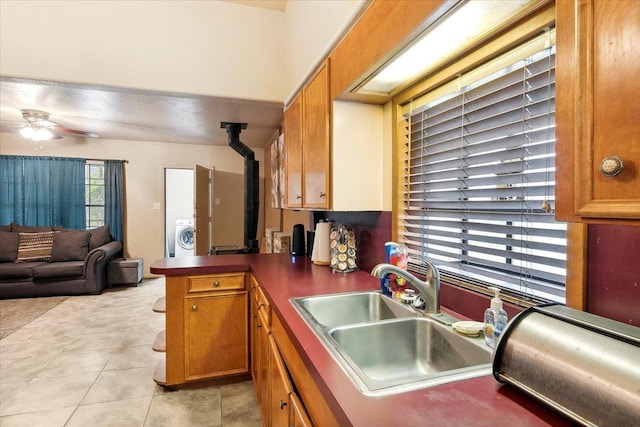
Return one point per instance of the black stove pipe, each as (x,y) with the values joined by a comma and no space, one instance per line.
(251,185)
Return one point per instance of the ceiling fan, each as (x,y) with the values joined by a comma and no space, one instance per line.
(38,127)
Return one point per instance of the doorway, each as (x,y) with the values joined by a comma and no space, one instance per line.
(178,214)
(188,211)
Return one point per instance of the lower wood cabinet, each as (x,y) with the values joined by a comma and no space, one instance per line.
(280,406)
(281,388)
(215,335)
(207,327)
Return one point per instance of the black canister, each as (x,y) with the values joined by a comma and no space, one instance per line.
(297,243)
(311,235)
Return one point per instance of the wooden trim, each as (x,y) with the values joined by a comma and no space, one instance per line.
(565,112)
(583,120)
(175,289)
(576,284)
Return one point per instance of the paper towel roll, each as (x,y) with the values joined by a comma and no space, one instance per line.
(321,255)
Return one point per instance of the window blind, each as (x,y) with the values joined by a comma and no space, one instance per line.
(479,169)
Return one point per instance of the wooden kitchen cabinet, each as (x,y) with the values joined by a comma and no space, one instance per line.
(281,387)
(263,365)
(207,333)
(299,417)
(280,406)
(293,153)
(307,145)
(598,114)
(215,335)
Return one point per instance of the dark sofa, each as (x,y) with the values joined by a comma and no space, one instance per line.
(46,261)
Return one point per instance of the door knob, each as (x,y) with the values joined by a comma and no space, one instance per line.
(282,404)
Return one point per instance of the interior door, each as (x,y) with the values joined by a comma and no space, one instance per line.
(203,178)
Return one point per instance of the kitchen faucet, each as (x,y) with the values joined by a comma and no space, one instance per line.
(430,290)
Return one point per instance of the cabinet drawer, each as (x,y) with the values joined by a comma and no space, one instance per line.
(215,283)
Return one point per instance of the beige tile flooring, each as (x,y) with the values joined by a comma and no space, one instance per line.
(89,362)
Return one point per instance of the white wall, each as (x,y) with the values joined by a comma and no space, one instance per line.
(198,47)
(145,183)
(311,28)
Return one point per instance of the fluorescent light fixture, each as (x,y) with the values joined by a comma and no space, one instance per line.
(462,26)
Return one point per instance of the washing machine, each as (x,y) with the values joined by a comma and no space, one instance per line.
(184,238)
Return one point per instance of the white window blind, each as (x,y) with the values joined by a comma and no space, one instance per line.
(479,176)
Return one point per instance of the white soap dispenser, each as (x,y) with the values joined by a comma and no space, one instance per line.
(495,319)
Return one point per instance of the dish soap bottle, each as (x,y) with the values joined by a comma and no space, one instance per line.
(495,319)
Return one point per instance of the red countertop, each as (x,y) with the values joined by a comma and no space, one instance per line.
(476,402)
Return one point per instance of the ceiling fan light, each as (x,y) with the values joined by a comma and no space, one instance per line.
(43,134)
(36,133)
(28,132)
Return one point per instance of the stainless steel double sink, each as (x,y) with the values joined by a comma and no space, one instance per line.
(388,347)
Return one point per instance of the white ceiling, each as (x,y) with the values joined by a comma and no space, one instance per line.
(137,115)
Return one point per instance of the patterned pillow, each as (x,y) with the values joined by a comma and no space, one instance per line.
(35,246)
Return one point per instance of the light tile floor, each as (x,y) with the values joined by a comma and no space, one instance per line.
(89,362)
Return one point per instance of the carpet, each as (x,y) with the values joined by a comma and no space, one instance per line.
(15,313)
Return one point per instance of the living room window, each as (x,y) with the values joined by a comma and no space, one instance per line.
(477,176)
(94,193)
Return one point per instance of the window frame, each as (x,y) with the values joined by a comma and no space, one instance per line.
(88,205)
(474,57)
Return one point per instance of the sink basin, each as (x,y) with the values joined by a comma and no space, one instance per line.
(387,347)
(411,352)
(334,310)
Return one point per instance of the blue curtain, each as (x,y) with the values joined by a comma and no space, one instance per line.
(114,197)
(42,191)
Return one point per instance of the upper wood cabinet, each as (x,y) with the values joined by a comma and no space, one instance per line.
(307,145)
(316,141)
(598,113)
(293,153)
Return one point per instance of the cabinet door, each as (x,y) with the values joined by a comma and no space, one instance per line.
(598,109)
(293,153)
(263,365)
(280,387)
(254,337)
(317,142)
(216,330)
(298,415)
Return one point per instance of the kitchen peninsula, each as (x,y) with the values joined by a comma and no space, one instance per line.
(326,393)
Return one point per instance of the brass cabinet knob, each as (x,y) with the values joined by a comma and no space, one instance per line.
(216,283)
(194,307)
(611,166)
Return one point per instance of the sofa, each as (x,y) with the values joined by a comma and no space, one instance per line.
(47,261)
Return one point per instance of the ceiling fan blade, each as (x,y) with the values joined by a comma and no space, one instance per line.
(74,131)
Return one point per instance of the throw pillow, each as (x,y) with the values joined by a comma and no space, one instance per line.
(35,246)
(99,236)
(71,245)
(9,246)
